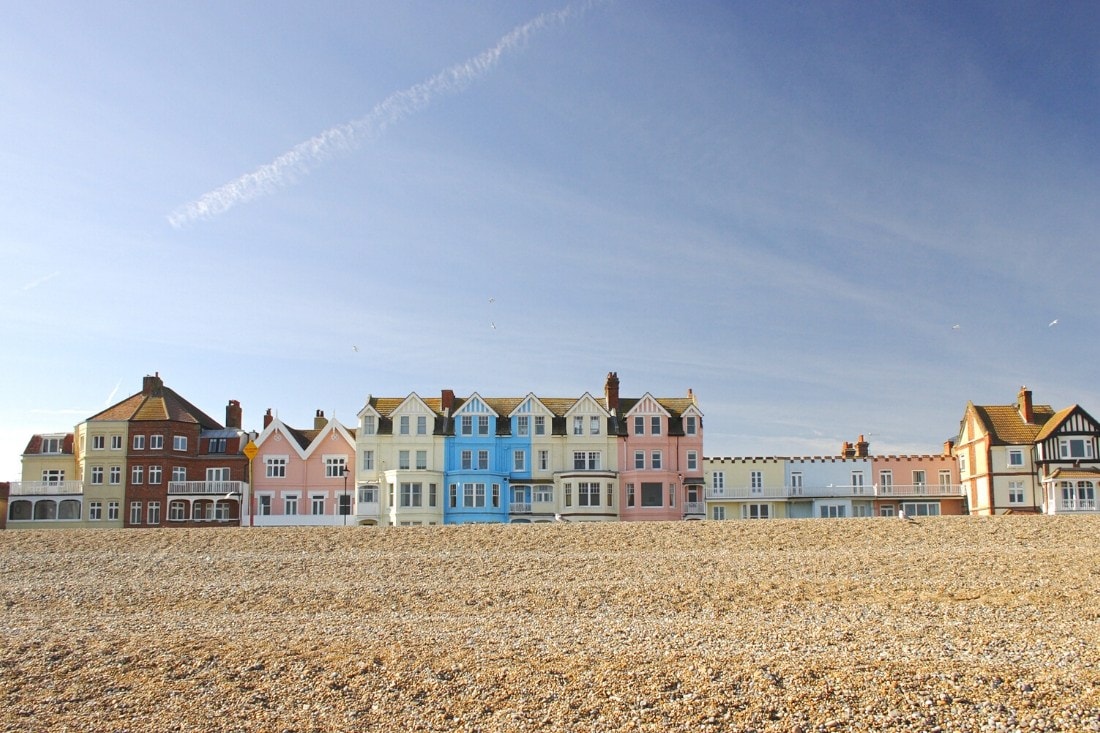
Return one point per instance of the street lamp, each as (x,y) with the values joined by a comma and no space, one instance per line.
(345,505)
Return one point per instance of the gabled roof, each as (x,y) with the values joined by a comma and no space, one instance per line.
(589,399)
(1054,423)
(161,403)
(1005,425)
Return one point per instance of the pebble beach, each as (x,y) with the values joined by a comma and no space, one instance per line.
(941,624)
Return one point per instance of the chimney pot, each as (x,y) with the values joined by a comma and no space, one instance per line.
(268,417)
(233,414)
(319,420)
(1023,404)
(611,392)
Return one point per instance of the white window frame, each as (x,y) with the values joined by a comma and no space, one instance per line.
(519,460)
(275,466)
(421,460)
(97,475)
(692,460)
(523,425)
(656,460)
(368,460)
(135,512)
(403,425)
(594,425)
(179,443)
(116,442)
(139,442)
(156,475)
(99,442)
(421,424)
(718,480)
(718,512)
(334,466)
(152,513)
(1015,458)
(137,476)
(95,511)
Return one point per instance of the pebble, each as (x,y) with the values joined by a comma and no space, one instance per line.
(779,625)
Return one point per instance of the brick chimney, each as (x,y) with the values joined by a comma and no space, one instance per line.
(233,414)
(846,450)
(268,417)
(152,386)
(447,401)
(1023,404)
(319,420)
(948,447)
(862,446)
(611,392)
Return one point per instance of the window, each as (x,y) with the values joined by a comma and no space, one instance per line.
(857,482)
(52,445)
(452,497)
(833,511)
(755,511)
(639,425)
(345,505)
(179,473)
(655,460)
(945,479)
(201,511)
(99,442)
(652,493)
(655,425)
(155,475)
(153,515)
(482,424)
(137,476)
(1015,457)
(112,511)
(176,510)
(421,424)
(290,504)
(317,505)
(523,425)
(215,445)
(578,425)
(540,425)
(431,494)
(886,481)
(335,466)
(139,442)
(962,464)
(467,460)
(519,460)
(921,509)
(466,425)
(672,494)
(639,459)
(370,425)
(368,494)
(690,427)
(567,494)
(692,460)
(214,475)
(544,493)
(179,442)
(1075,447)
(473,495)
(95,510)
(97,474)
(630,494)
(588,494)
(265,505)
(135,512)
(410,494)
(483,460)
(422,460)
(403,460)
(53,476)
(756,481)
(544,460)
(717,512)
(276,466)
(114,476)
(1015,492)
(404,423)
(156,442)
(368,460)
(919,479)
(718,480)
(796,483)
(116,442)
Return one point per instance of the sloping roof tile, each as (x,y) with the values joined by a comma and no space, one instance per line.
(1007,427)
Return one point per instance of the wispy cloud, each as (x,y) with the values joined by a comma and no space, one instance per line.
(302,158)
(35,283)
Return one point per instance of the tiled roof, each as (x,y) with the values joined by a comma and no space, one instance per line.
(1006,427)
(1069,473)
(163,404)
(1054,422)
(34,445)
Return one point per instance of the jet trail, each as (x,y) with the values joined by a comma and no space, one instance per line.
(302,158)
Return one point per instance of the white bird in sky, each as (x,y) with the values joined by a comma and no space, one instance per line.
(1053,323)
(956,327)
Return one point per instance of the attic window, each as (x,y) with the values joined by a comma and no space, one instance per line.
(1075,448)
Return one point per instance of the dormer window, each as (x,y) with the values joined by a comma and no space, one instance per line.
(369,425)
(52,445)
(1075,448)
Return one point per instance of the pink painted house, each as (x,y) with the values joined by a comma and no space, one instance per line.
(660,456)
(303,477)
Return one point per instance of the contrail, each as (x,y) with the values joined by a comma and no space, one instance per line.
(35,283)
(302,158)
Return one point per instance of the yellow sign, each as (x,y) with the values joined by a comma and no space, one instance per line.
(251,450)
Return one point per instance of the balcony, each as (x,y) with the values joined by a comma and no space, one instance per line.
(368,509)
(1080,505)
(45,488)
(695,509)
(780,493)
(207,488)
(519,507)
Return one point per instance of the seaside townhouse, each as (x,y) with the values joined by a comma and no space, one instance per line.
(302,477)
(1027,458)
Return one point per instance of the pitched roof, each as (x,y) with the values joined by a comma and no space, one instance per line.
(1055,422)
(162,403)
(1006,426)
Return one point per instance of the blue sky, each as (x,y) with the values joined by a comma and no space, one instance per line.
(783,206)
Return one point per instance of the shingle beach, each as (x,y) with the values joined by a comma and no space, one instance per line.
(945,624)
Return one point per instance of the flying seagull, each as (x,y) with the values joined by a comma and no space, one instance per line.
(1053,323)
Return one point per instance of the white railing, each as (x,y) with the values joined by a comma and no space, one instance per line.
(45,488)
(694,507)
(519,507)
(1077,505)
(795,492)
(208,487)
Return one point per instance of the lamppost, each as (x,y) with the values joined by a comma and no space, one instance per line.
(345,505)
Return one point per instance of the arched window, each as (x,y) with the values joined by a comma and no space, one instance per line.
(20,509)
(45,509)
(69,509)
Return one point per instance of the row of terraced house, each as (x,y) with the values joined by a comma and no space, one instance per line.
(156,460)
